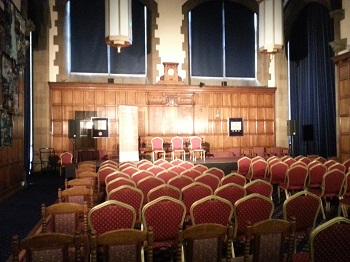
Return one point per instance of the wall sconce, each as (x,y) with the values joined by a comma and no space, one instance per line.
(118,23)
(270,26)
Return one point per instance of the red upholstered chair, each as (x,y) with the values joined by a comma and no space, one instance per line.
(330,241)
(258,151)
(180,181)
(177,169)
(215,171)
(166,165)
(165,215)
(144,166)
(109,162)
(47,247)
(164,190)
(231,192)
(176,161)
(122,245)
(296,179)
(316,173)
(332,186)
(329,163)
(338,166)
(166,175)
(155,169)
(116,174)
(111,215)
(66,158)
(304,207)
(157,148)
(209,179)
(194,192)
(140,175)
(243,165)
(200,168)
(211,209)
(177,147)
(121,181)
(130,170)
(129,195)
(258,170)
(196,147)
(234,178)
(186,164)
(236,151)
(148,183)
(160,161)
(192,173)
(259,186)
(124,165)
(143,161)
(289,161)
(346,163)
(278,171)
(305,160)
(276,151)
(344,201)
(103,173)
(253,208)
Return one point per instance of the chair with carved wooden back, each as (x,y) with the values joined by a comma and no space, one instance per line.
(205,242)
(66,158)
(121,181)
(196,147)
(166,175)
(78,195)
(129,195)
(233,178)
(180,181)
(192,173)
(332,187)
(148,183)
(211,209)
(165,215)
(177,148)
(155,169)
(164,190)
(231,192)
(259,186)
(316,173)
(304,207)
(216,172)
(209,179)
(92,176)
(192,193)
(344,200)
(269,240)
(78,182)
(111,215)
(243,165)
(253,208)
(258,170)
(177,169)
(47,247)
(296,179)
(157,148)
(330,241)
(88,167)
(122,245)
(136,177)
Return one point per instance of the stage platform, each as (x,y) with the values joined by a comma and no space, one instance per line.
(226,164)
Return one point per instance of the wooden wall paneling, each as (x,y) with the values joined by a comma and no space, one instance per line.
(121,98)
(67,97)
(101,98)
(56,97)
(170,123)
(185,123)
(89,98)
(56,112)
(78,97)
(200,120)
(67,112)
(155,120)
(253,113)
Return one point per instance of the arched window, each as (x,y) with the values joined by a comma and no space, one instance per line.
(88,51)
(223,40)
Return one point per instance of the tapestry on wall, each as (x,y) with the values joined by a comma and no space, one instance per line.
(12,61)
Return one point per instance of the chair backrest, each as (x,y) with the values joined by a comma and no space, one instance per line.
(346,187)
(66,158)
(271,236)
(346,163)
(232,192)
(297,176)
(192,173)
(330,240)
(180,181)
(121,181)
(111,215)
(304,207)
(122,245)
(338,166)
(258,151)
(155,169)
(125,165)
(278,172)
(129,195)
(194,192)
(236,151)
(78,195)
(157,143)
(253,208)
(186,164)
(289,161)
(316,173)
(176,162)
(206,241)
(140,175)
(177,143)
(258,169)
(177,169)
(259,186)
(130,170)
(47,247)
(209,179)
(164,190)
(233,178)
(201,168)
(64,218)
(329,163)
(216,172)
(332,183)
(276,151)
(211,209)
(148,183)
(142,162)
(160,161)
(103,173)
(114,175)
(243,165)
(166,165)
(79,182)
(145,166)
(166,175)
(195,142)
(165,215)
(109,162)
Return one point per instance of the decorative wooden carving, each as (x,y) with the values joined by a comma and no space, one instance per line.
(171,74)
(169,99)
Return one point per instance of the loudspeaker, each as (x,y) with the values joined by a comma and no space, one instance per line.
(73,128)
(308,133)
(292,128)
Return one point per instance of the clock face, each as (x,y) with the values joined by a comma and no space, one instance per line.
(171,71)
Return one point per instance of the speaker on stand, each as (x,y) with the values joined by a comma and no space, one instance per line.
(74,133)
(292,130)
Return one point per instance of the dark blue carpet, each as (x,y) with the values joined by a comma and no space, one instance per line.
(21,213)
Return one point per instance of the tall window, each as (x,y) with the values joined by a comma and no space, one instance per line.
(223,40)
(89,52)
